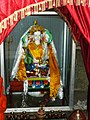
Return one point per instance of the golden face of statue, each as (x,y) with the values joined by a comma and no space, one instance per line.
(36,28)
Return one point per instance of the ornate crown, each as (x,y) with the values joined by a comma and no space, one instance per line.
(35,28)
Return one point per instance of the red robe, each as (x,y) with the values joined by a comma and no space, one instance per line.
(2,106)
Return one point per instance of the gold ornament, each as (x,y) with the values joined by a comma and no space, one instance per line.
(35,28)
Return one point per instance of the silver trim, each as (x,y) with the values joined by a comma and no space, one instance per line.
(35,109)
(64,60)
(72,77)
(46,13)
(2,62)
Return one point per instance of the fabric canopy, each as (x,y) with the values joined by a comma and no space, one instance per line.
(76,18)
(75,12)
(11,11)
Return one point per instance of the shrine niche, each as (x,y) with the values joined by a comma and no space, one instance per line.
(36,61)
(28,69)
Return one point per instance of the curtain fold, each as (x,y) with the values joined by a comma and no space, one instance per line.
(7,31)
(85,46)
(83,13)
(81,16)
(78,20)
(11,11)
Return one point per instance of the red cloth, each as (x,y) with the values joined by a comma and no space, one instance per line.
(7,8)
(85,46)
(2,107)
(89,116)
(81,16)
(78,19)
(6,32)
(2,100)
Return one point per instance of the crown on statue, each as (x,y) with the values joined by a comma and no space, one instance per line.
(35,28)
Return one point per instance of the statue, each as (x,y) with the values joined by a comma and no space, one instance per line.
(36,60)
(2,100)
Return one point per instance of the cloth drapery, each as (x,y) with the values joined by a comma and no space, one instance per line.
(85,46)
(78,20)
(9,11)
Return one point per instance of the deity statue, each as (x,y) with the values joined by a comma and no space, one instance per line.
(2,100)
(36,60)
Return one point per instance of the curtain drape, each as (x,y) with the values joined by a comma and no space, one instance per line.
(77,17)
(78,20)
(85,46)
(7,31)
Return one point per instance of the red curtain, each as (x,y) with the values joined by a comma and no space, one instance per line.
(7,13)
(78,20)
(86,56)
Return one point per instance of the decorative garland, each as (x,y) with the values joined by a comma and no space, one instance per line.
(36,8)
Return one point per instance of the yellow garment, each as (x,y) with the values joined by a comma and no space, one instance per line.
(54,74)
(21,74)
(36,50)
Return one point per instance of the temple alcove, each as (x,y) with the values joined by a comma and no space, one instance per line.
(60,34)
